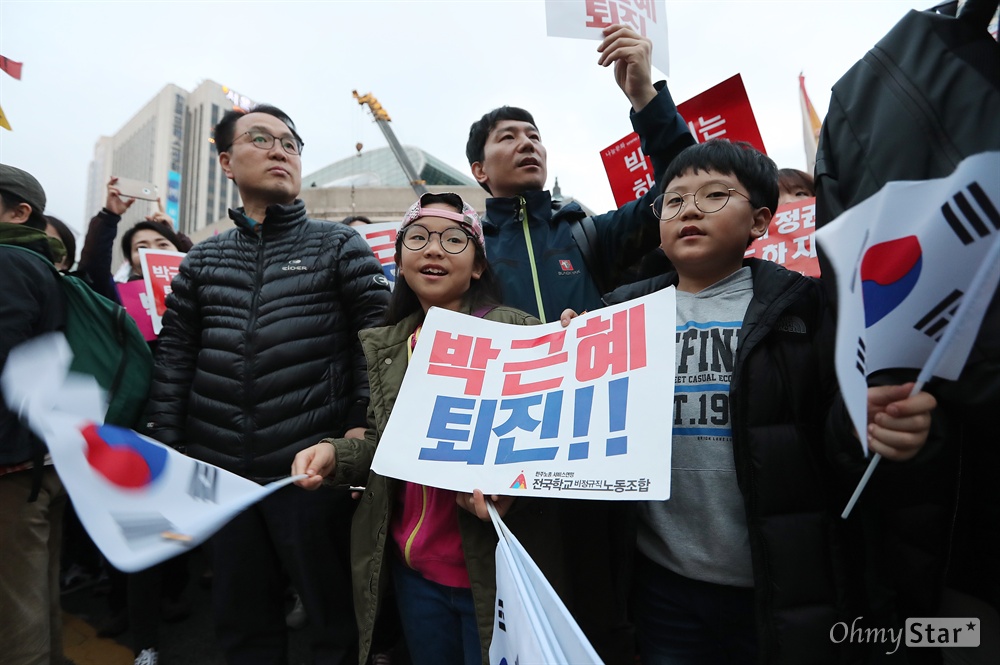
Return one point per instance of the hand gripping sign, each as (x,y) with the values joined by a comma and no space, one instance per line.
(543,410)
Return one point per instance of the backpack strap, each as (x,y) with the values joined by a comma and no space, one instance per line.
(585,234)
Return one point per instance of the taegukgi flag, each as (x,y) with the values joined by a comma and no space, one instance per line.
(904,260)
(530,623)
(140,501)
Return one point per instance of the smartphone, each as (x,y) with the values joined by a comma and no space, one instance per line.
(136,189)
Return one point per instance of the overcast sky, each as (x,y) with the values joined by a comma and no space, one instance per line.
(435,67)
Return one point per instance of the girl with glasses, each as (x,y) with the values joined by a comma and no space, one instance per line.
(427,544)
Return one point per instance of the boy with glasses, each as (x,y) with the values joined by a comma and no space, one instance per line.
(743,563)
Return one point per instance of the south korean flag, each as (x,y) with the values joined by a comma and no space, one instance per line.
(908,261)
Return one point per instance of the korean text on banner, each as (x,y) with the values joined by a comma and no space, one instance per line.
(382,240)
(904,260)
(789,238)
(722,111)
(585,19)
(573,412)
(140,501)
(158,269)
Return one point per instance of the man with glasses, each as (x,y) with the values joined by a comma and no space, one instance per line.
(549,256)
(545,258)
(259,358)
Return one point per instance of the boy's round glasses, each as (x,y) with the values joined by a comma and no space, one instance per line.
(265,141)
(453,240)
(711,197)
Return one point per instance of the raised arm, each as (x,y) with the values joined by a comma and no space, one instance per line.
(99,245)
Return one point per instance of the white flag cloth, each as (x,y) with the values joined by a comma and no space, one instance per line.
(140,501)
(531,624)
(904,261)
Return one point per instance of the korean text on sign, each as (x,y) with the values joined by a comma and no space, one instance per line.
(509,401)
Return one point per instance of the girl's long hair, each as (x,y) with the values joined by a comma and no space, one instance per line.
(483,292)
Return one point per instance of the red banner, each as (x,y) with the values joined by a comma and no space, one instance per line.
(158,269)
(12,67)
(722,111)
(790,238)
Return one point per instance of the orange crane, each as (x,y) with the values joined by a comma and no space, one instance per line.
(382,119)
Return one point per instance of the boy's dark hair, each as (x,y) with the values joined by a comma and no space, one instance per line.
(475,148)
(162,229)
(794,179)
(355,218)
(66,236)
(11,200)
(225,130)
(755,170)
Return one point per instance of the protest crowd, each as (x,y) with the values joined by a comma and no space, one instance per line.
(269,372)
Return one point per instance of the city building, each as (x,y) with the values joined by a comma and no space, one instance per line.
(169,143)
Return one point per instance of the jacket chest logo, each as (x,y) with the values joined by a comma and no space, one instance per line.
(566,268)
(294,264)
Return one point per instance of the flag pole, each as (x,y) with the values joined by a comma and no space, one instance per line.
(977,287)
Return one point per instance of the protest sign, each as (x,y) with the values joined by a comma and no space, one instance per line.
(140,501)
(722,111)
(585,19)
(382,240)
(530,623)
(904,260)
(544,410)
(159,268)
(132,296)
(630,172)
(789,238)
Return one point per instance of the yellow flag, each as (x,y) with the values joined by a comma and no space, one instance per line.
(810,125)
(3,121)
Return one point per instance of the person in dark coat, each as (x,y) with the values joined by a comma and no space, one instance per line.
(32,497)
(259,358)
(746,560)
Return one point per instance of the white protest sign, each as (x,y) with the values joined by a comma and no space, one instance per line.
(381,238)
(585,19)
(577,412)
(140,501)
(904,260)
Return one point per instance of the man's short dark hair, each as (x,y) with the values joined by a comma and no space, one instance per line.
(11,200)
(158,227)
(66,236)
(755,170)
(225,130)
(475,148)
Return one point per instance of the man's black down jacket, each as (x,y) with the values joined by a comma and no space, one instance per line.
(259,354)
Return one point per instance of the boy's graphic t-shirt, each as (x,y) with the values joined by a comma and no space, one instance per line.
(701,531)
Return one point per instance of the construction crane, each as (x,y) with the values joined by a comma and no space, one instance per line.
(382,119)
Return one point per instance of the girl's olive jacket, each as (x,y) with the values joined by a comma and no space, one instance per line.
(533,521)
